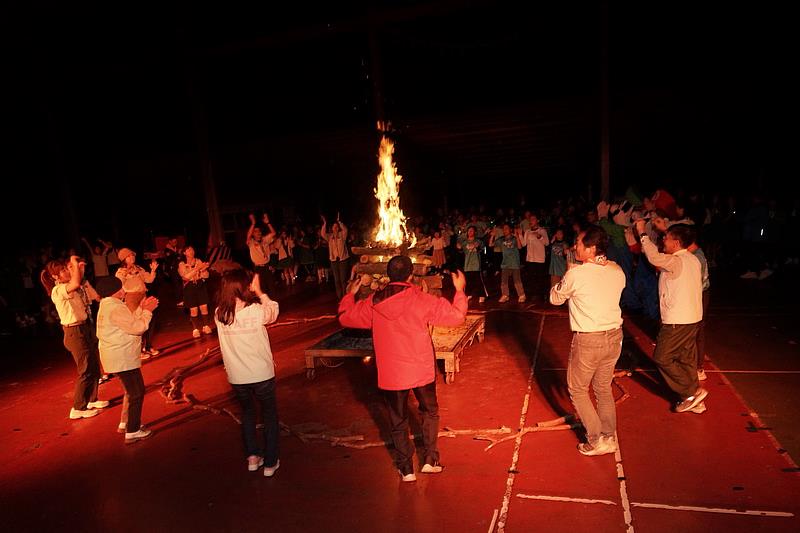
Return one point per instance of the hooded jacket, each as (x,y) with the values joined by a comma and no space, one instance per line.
(403,347)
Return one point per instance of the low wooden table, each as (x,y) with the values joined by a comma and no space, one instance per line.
(449,343)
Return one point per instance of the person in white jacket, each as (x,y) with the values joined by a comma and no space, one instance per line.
(244,309)
(119,331)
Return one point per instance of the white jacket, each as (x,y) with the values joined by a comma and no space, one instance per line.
(119,332)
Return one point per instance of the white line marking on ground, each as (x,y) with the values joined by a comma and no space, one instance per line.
(710,509)
(654,370)
(494,521)
(623,487)
(501,524)
(563,499)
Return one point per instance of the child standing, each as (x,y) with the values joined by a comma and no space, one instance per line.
(119,331)
(509,245)
(243,312)
(438,243)
(558,257)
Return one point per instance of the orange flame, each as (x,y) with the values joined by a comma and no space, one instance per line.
(392,228)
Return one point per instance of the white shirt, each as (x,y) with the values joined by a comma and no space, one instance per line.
(69,305)
(259,253)
(119,335)
(337,246)
(536,245)
(680,284)
(593,292)
(245,344)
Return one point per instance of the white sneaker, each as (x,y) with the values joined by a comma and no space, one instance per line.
(136,436)
(749,275)
(207,330)
(99,404)
(481,299)
(599,448)
(429,468)
(764,274)
(503,299)
(407,477)
(269,471)
(75,414)
(700,408)
(521,299)
(254,462)
(196,333)
(701,374)
(609,442)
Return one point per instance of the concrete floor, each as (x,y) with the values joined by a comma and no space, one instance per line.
(62,475)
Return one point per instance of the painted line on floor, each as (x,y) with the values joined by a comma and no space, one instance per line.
(494,520)
(623,487)
(654,370)
(501,524)
(717,510)
(563,499)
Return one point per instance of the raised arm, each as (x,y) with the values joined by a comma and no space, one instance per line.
(252,227)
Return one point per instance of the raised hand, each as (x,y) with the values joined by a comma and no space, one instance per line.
(252,218)
(255,285)
(459,280)
(640,225)
(153,265)
(150,303)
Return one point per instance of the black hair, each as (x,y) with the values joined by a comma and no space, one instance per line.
(684,234)
(399,268)
(597,237)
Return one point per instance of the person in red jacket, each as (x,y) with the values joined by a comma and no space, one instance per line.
(399,316)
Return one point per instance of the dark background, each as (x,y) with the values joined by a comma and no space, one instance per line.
(107,106)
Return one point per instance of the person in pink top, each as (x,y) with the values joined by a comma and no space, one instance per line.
(399,316)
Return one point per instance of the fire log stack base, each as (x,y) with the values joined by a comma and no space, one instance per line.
(373,261)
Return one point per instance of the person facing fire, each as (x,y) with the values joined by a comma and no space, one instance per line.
(399,316)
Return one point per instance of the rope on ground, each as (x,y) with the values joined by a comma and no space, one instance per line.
(293,321)
(171,383)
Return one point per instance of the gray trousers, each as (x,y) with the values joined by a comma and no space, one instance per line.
(592,357)
(514,273)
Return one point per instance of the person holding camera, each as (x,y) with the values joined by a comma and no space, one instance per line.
(399,316)
(593,290)
(63,281)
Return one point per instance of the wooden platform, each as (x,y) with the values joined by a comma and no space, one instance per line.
(449,343)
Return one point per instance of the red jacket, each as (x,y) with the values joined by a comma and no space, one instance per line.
(403,346)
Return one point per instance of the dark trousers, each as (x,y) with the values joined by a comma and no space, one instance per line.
(701,330)
(341,274)
(82,344)
(676,357)
(397,404)
(475,286)
(537,280)
(133,383)
(264,393)
(266,278)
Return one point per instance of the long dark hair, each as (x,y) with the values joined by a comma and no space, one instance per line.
(235,284)
(49,274)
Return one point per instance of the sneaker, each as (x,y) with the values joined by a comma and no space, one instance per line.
(764,274)
(700,408)
(749,275)
(254,462)
(142,434)
(521,299)
(481,299)
(610,442)
(503,299)
(269,471)
(432,467)
(75,414)
(196,333)
(144,356)
(701,374)
(103,379)
(599,448)
(689,403)
(407,477)
(153,351)
(179,304)
(99,404)
(207,330)
(123,427)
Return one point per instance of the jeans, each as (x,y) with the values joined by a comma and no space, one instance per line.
(133,383)
(341,274)
(592,357)
(397,403)
(264,392)
(82,344)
